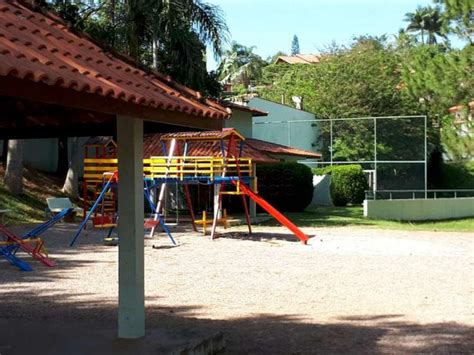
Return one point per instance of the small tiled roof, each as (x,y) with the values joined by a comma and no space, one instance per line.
(203,135)
(460,107)
(299,59)
(152,146)
(255,112)
(273,148)
(37,46)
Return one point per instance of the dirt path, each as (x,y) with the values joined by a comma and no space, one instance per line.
(352,290)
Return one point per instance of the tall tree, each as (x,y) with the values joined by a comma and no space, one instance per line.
(71,185)
(240,65)
(295,45)
(171,35)
(460,15)
(14,171)
(426,21)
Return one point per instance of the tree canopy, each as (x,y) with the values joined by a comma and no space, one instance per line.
(170,35)
(295,45)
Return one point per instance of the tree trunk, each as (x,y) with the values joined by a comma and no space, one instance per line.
(155,54)
(71,183)
(63,158)
(14,170)
(5,153)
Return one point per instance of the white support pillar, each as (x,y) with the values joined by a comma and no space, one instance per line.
(131,313)
(217,190)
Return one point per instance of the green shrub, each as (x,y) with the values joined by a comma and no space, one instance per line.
(457,176)
(348,183)
(287,186)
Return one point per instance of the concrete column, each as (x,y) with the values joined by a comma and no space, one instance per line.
(253,204)
(131,317)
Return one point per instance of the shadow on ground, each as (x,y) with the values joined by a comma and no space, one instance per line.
(63,325)
(60,324)
(258,236)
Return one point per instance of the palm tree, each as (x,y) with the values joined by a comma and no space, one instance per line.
(156,21)
(240,65)
(426,20)
(170,35)
(416,21)
(434,23)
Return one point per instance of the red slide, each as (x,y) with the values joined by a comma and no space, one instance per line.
(274,212)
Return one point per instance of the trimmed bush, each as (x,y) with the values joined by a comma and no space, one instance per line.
(348,183)
(287,186)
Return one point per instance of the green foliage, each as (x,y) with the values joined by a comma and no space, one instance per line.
(364,80)
(170,35)
(440,80)
(287,186)
(240,66)
(360,81)
(459,15)
(427,21)
(458,176)
(348,183)
(373,78)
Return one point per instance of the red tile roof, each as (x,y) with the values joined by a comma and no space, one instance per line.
(37,46)
(299,59)
(202,135)
(255,112)
(152,147)
(273,148)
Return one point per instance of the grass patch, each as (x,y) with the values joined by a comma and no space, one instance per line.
(29,207)
(353,216)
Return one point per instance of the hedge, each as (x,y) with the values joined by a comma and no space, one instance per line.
(348,183)
(287,186)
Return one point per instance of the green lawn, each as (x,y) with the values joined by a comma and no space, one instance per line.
(353,216)
(29,207)
(24,209)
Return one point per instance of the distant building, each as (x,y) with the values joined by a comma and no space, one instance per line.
(298,59)
(285,125)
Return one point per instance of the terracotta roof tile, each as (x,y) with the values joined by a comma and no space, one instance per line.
(299,59)
(152,146)
(254,111)
(37,46)
(202,135)
(273,148)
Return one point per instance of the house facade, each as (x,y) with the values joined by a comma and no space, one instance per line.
(284,125)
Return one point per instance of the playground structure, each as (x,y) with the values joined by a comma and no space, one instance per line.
(230,173)
(29,243)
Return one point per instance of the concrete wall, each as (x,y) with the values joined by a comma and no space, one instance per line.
(283,125)
(241,121)
(417,210)
(42,154)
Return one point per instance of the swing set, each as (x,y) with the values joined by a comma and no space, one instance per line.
(232,173)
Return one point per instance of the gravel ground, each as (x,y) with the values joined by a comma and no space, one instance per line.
(352,290)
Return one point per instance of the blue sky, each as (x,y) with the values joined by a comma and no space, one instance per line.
(270,24)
